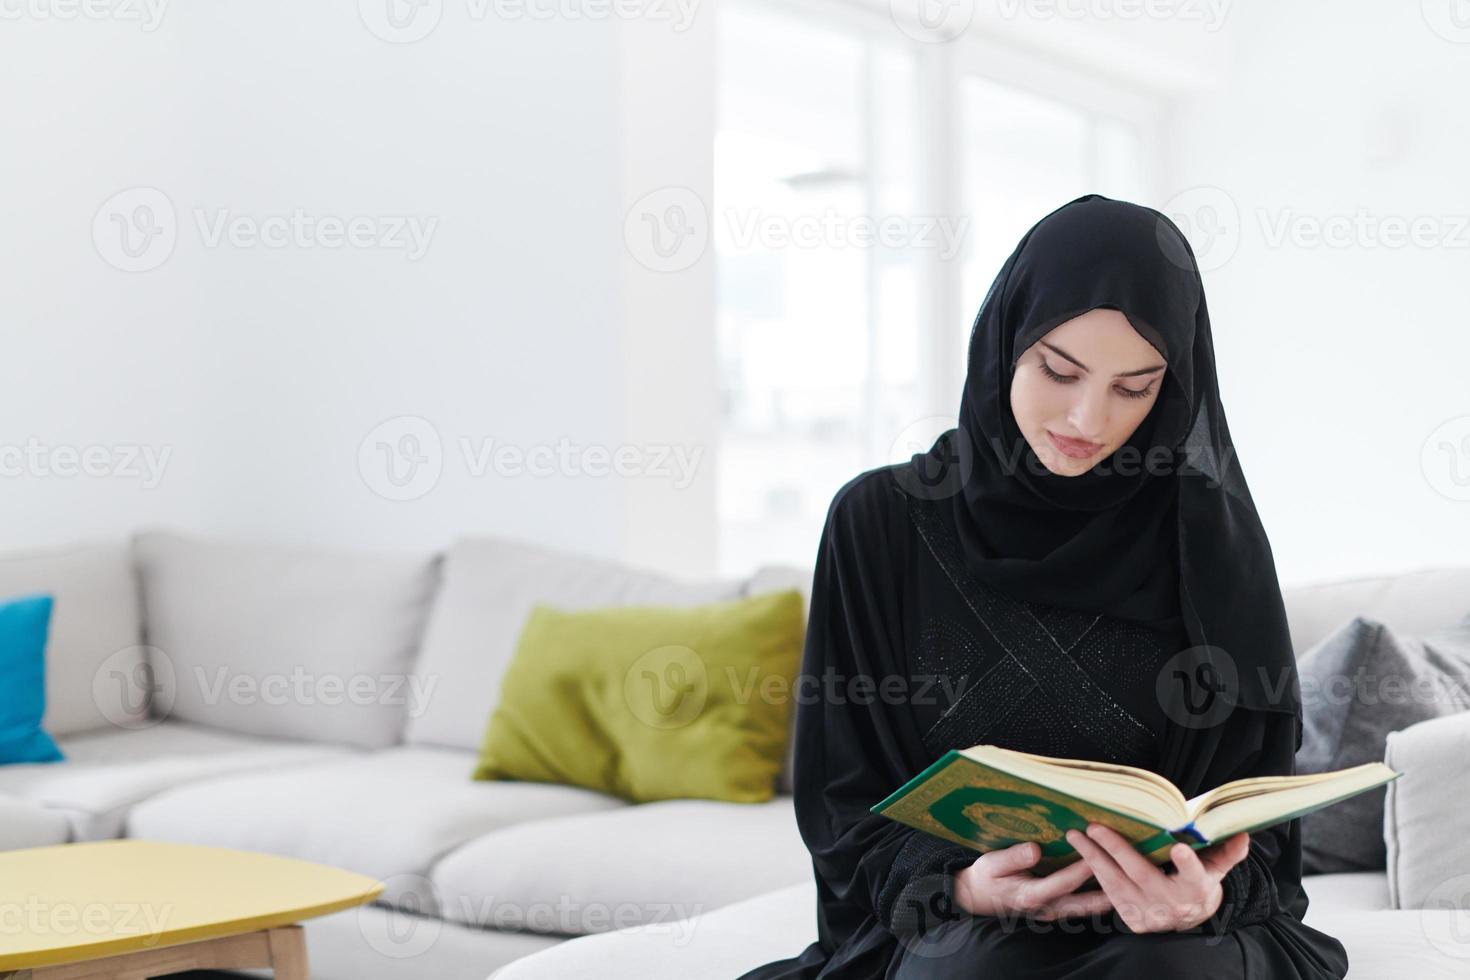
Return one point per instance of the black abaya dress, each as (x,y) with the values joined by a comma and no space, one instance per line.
(911,657)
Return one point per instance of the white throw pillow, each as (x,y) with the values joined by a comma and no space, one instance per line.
(1424,815)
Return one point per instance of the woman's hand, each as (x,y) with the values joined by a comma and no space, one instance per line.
(999,884)
(1146,897)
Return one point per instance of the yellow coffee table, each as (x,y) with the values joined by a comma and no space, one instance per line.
(129,909)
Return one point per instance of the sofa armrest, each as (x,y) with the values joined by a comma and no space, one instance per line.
(1424,825)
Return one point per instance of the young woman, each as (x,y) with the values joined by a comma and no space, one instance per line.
(1077,569)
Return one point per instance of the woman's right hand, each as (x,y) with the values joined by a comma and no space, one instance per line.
(998,883)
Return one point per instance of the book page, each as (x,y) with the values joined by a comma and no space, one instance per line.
(1291,797)
(1257,785)
(1126,789)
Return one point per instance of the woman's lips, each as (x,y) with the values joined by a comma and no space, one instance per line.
(1075,448)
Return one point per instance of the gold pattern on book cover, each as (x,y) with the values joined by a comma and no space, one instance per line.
(998,810)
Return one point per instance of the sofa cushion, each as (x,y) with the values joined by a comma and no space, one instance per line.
(1424,815)
(488,587)
(389,814)
(1347,891)
(728,942)
(93,652)
(715,945)
(649,863)
(285,641)
(1392,945)
(108,771)
(25,824)
(1358,685)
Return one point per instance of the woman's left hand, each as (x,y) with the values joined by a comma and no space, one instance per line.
(1146,897)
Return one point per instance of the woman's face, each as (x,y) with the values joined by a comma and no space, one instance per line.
(1080,390)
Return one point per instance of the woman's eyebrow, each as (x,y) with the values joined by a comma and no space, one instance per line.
(1120,374)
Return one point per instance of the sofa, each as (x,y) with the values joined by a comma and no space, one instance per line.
(329,705)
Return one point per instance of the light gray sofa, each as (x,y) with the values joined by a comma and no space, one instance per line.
(203,691)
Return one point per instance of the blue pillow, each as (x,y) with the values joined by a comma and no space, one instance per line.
(24,624)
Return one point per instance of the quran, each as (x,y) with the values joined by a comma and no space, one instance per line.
(988,797)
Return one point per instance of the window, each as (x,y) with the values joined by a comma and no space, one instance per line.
(828,272)
(1025,155)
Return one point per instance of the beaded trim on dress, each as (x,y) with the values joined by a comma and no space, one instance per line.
(1042,666)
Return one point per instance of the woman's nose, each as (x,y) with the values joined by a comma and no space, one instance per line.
(1089,414)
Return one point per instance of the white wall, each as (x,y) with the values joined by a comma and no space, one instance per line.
(261,370)
(667,111)
(529,321)
(1339,363)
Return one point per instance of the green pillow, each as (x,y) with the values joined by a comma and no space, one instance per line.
(651,702)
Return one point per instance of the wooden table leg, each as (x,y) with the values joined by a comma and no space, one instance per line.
(288,953)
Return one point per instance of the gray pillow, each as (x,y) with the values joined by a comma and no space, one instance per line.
(1360,683)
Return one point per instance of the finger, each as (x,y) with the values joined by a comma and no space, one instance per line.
(1119,886)
(1192,872)
(1226,855)
(1017,857)
(1144,873)
(1059,883)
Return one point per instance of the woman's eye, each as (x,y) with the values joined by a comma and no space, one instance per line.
(1066,379)
(1063,378)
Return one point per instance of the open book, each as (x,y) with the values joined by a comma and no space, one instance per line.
(988,797)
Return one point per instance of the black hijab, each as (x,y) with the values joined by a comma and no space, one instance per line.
(1163,529)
